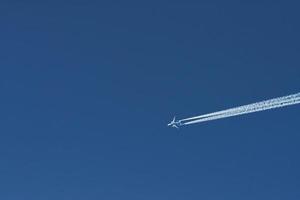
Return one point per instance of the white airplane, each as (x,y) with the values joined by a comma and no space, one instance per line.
(175,123)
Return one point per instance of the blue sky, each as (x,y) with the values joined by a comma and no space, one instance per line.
(87,89)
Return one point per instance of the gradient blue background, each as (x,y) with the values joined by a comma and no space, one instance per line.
(87,89)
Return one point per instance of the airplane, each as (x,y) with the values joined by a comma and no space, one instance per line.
(175,123)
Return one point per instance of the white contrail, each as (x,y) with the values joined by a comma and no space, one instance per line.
(241,110)
(279,99)
(246,111)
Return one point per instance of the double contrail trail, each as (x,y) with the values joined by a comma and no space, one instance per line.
(241,110)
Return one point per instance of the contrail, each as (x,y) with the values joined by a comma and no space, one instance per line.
(242,110)
(245,111)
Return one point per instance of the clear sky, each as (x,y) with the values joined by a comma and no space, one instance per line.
(88,87)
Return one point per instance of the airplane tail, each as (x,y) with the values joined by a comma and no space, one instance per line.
(174,119)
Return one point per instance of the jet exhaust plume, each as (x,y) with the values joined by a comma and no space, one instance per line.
(242,110)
